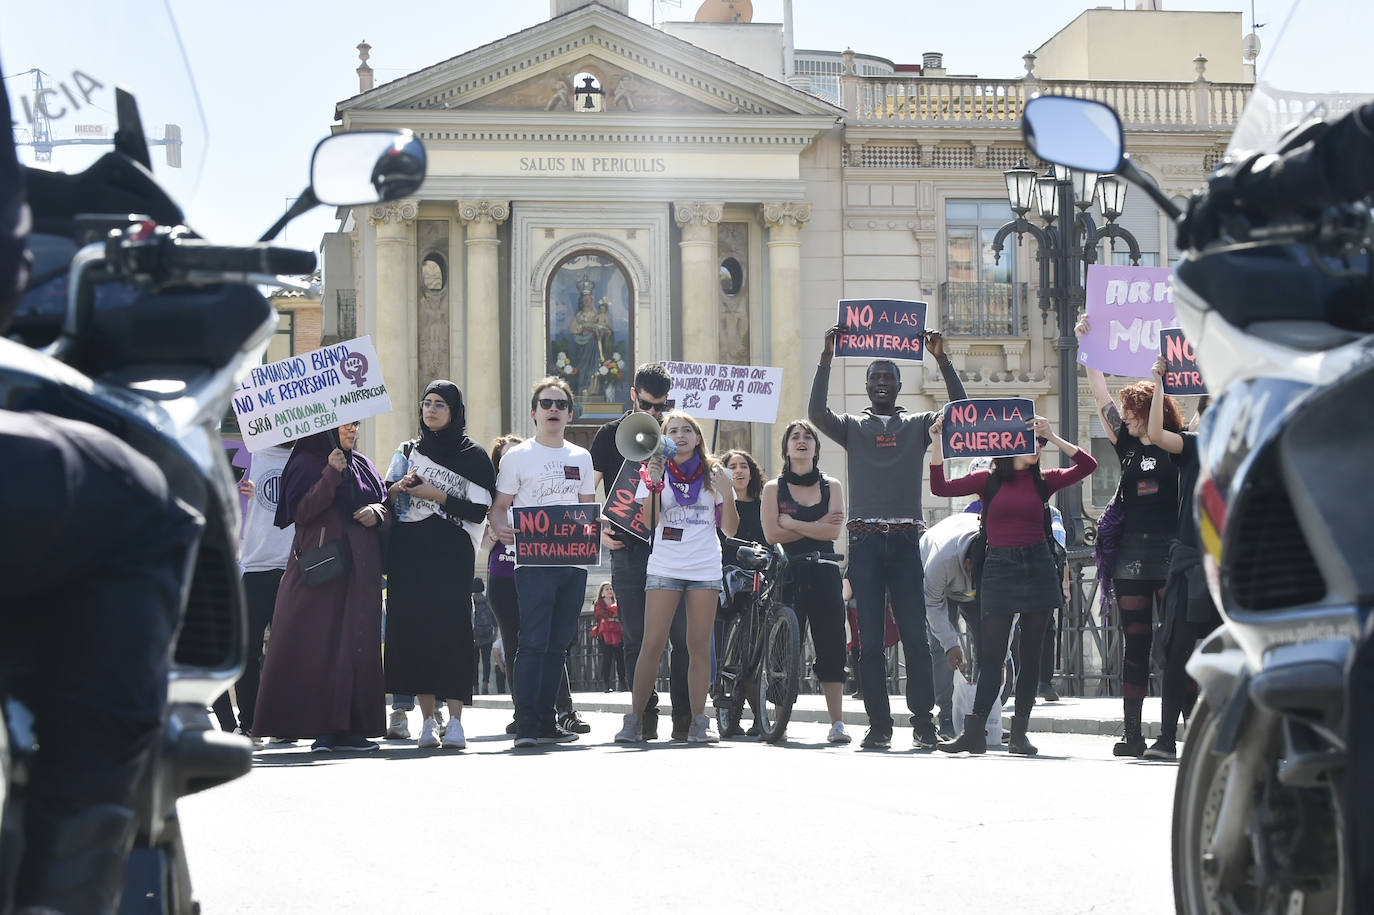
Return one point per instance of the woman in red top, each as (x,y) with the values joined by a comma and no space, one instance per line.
(606,617)
(1019,573)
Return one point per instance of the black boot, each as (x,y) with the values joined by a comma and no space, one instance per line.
(974,739)
(75,862)
(1133,744)
(1018,743)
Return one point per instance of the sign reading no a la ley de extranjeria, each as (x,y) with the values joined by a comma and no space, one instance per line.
(301,395)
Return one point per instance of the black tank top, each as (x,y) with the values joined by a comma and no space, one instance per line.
(788,506)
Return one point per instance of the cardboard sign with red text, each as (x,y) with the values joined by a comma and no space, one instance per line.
(557,535)
(881,329)
(1181,372)
(620,506)
(988,427)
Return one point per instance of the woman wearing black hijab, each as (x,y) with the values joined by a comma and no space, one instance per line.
(441,485)
(322,676)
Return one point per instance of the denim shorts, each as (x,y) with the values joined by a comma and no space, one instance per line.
(665,583)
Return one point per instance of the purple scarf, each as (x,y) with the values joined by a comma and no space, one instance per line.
(1110,528)
(686,479)
(361,484)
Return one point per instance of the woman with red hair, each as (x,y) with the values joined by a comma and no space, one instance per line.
(1135,532)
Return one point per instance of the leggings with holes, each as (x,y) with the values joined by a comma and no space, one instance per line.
(1135,599)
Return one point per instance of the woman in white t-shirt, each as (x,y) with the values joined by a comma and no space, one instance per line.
(695,498)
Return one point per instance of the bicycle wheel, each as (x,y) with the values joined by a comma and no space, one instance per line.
(779,675)
(728,689)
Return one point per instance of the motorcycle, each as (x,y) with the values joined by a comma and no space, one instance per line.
(135,324)
(1280,309)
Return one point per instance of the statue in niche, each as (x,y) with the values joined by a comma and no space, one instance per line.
(589,336)
(561,98)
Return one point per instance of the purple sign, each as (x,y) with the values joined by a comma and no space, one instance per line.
(1127,308)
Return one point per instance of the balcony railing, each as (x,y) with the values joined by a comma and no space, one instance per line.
(954,101)
(982,309)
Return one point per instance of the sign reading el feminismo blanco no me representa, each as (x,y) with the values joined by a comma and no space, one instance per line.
(746,393)
(299,396)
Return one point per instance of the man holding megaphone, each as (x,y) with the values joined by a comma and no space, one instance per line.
(636,436)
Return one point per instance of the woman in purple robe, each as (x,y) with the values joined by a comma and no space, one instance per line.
(322,676)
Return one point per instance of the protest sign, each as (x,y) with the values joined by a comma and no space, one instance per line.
(1181,372)
(1127,307)
(413,508)
(881,329)
(620,506)
(745,393)
(557,535)
(988,427)
(301,395)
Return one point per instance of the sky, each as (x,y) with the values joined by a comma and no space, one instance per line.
(269,74)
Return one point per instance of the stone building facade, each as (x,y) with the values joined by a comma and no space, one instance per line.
(602,193)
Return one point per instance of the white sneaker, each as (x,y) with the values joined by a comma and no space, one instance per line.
(837,734)
(399,726)
(633,730)
(700,731)
(438,715)
(429,734)
(453,738)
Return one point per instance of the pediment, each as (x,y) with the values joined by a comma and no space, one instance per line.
(641,70)
(623,90)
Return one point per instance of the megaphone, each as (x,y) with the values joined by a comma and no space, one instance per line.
(640,438)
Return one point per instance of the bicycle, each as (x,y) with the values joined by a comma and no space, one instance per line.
(762,653)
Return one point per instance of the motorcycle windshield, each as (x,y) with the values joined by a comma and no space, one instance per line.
(1317,67)
(62,62)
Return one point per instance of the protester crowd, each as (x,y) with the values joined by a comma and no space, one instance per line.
(365,584)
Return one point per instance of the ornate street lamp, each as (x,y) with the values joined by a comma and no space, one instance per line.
(1111,192)
(1020,186)
(1047,197)
(1084,184)
(1064,247)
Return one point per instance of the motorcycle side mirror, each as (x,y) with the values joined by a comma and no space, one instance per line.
(356,169)
(1079,133)
(1087,136)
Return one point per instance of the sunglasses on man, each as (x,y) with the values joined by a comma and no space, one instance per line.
(555,403)
(659,407)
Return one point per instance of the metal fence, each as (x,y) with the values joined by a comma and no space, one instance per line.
(1088,647)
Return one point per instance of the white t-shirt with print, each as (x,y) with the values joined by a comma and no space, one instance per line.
(685,542)
(538,475)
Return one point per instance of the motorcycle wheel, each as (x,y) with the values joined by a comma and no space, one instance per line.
(1299,836)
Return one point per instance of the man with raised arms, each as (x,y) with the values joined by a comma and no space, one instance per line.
(886,447)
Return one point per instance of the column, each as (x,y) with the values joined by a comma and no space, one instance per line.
(700,280)
(393,334)
(482,386)
(784,222)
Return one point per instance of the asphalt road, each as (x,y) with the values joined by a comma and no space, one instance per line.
(742,826)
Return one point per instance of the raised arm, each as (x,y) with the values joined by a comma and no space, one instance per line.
(1171,442)
(1059,477)
(935,344)
(1106,407)
(818,410)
